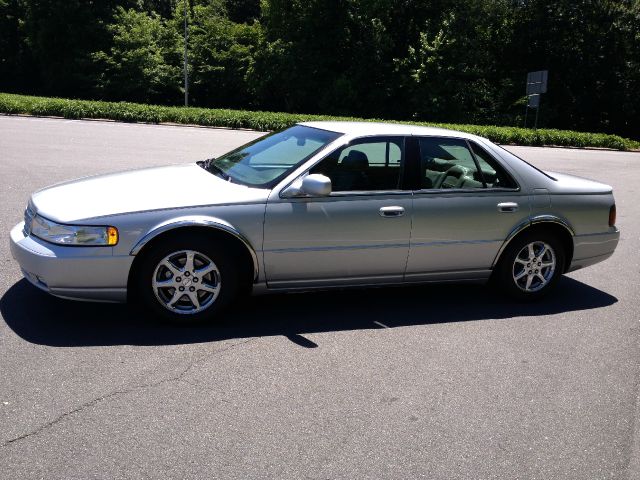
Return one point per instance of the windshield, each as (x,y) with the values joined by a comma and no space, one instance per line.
(265,161)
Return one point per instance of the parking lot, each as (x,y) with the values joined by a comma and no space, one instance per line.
(437,382)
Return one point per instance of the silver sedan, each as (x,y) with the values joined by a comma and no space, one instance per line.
(319,205)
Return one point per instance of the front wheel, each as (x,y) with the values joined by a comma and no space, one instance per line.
(531,266)
(188,280)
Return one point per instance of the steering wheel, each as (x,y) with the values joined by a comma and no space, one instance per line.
(453,175)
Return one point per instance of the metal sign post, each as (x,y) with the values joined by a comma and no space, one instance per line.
(534,102)
(536,85)
(186,72)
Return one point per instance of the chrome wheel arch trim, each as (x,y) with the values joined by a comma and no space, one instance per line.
(529,222)
(197,221)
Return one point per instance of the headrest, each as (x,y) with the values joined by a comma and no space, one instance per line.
(355,160)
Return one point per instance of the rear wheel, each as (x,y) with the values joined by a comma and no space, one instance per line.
(531,265)
(188,280)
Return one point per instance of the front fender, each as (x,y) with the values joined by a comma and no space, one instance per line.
(196,221)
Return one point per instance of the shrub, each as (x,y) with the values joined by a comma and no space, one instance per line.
(263,121)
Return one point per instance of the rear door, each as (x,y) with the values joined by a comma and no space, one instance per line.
(464,208)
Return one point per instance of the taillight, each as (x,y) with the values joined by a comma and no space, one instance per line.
(612,215)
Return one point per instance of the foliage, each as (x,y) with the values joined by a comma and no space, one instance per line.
(591,50)
(476,38)
(60,36)
(11,45)
(221,53)
(439,61)
(258,120)
(143,61)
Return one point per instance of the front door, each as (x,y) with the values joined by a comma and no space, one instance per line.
(358,234)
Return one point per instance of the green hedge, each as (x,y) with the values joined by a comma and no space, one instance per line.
(134,112)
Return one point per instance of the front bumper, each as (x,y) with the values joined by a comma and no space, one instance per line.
(78,273)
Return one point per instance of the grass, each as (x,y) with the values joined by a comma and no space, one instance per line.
(264,121)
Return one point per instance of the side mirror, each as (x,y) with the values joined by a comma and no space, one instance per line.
(314,185)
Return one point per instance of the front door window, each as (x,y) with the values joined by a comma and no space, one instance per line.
(365,165)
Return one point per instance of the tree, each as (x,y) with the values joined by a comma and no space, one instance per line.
(220,55)
(243,11)
(15,60)
(591,51)
(60,36)
(143,63)
(321,55)
(453,72)
(441,60)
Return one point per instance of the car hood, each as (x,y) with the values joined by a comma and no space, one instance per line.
(572,184)
(177,186)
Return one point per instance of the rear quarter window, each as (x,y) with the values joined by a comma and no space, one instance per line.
(494,175)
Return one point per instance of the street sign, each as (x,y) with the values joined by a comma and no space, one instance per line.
(537,82)
(536,85)
(534,101)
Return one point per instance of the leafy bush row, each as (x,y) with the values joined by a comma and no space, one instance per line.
(135,112)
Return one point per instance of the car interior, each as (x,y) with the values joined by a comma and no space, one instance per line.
(448,164)
(367,166)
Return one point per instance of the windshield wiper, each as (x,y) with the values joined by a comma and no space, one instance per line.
(210,167)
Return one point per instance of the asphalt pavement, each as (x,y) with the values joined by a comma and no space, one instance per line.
(437,382)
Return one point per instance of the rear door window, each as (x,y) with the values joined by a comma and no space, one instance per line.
(447,163)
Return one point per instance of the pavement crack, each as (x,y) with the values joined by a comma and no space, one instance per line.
(102,398)
(63,416)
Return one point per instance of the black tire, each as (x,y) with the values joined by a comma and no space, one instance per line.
(224,279)
(516,261)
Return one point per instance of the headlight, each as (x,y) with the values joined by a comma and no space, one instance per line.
(72,234)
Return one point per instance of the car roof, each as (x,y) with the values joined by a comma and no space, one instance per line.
(381,128)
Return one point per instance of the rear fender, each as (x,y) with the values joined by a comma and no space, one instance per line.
(536,220)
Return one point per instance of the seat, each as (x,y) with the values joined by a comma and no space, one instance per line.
(351,173)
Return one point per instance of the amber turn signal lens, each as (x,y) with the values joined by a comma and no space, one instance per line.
(112,235)
(612,216)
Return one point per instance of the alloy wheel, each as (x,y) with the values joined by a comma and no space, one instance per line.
(186,282)
(534,266)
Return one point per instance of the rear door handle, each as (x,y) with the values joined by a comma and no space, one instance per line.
(508,207)
(391,211)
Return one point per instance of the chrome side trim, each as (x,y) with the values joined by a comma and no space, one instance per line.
(335,282)
(198,221)
(264,289)
(447,276)
(454,242)
(329,249)
(528,223)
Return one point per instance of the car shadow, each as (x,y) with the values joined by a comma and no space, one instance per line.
(42,319)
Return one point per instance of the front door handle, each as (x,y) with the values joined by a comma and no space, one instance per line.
(391,211)
(507,207)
